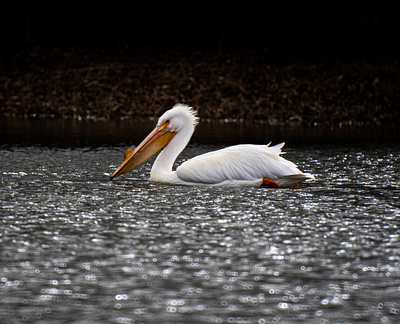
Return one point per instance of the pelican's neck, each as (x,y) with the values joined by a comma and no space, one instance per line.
(165,160)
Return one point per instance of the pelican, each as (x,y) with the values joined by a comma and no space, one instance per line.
(239,165)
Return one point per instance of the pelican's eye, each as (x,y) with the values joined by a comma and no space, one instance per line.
(165,124)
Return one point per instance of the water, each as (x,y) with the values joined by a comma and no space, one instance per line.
(76,247)
(84,132)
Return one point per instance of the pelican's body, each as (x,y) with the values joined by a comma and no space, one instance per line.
(240,165)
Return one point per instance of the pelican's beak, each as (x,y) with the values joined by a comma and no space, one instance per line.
(154,142)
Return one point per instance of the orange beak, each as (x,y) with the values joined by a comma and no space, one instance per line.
(154,142)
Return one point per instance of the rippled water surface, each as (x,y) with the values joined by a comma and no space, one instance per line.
(75,247)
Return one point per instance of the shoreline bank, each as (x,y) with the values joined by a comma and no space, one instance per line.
(243,86)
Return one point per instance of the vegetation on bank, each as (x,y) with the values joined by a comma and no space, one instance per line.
(242,86)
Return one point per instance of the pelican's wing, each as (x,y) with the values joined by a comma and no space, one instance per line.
(240,162)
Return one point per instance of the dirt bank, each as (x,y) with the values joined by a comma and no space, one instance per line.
(236,86)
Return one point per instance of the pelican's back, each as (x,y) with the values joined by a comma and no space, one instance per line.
(237,163)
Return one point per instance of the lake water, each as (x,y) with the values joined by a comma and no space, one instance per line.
(76,247)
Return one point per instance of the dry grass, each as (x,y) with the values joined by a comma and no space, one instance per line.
(240,86)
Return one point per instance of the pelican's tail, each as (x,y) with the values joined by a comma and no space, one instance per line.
(289,181)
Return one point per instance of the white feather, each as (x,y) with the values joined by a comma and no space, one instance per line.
(236,163)
(240,165)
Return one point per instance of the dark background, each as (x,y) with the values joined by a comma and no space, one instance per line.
(119,28)
(310,62)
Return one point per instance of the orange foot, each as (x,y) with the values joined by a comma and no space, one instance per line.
(269,183)
(295,186)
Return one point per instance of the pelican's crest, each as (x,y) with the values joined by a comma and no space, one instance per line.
(182,110)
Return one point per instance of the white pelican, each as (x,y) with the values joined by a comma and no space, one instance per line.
(240,165)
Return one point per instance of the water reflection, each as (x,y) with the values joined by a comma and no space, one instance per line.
(76,247)
(83,133)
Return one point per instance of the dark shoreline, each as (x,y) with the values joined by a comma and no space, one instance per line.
(82,132)
(244,86)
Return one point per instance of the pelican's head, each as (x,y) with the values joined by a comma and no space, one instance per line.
(180,117)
